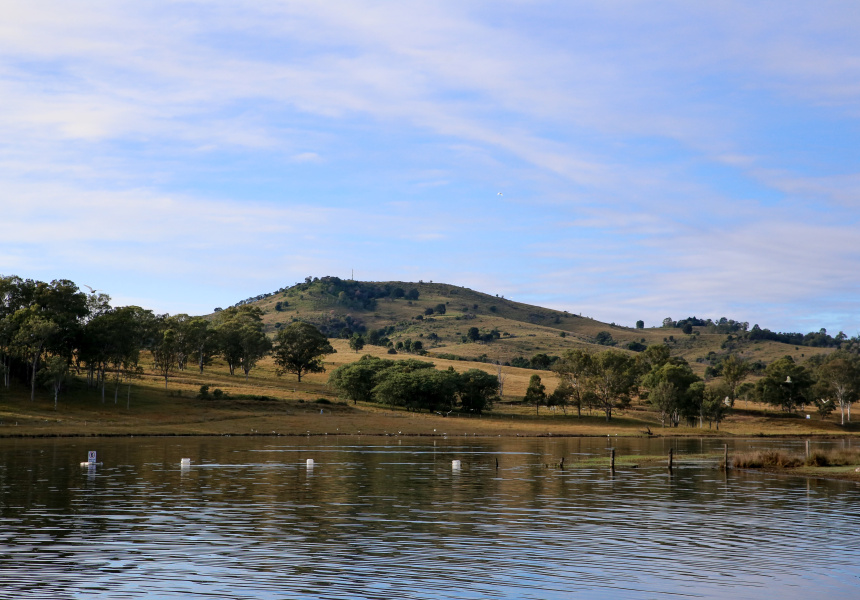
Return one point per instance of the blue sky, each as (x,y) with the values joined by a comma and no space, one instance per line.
(653,159)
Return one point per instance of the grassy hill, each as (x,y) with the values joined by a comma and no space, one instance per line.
(266,403)
(340,306)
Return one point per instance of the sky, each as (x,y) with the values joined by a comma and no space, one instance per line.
(620,159)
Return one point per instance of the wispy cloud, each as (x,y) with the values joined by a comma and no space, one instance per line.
(652,157)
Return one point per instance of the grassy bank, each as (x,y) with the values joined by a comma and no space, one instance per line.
(834,464)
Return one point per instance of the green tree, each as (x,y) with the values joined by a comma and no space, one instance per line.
(541,361)
(839,380)
(735,369)
(417,389)
(164,351)
(300,348)
(640,324)
(573,369)
(560,396)
(355,381)
(356,342)
(203,341)
(716,403)
(604,338)
(239,334)
(31,339)
(785,384)
(56,372)
(253,345)
(478,390)
(535,393)
(613,376)
(671,392)
(473,334)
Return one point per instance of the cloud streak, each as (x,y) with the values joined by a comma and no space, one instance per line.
(653,158)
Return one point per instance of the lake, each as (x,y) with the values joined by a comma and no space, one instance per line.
(390,518)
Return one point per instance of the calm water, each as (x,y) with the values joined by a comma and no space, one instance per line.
(388,518)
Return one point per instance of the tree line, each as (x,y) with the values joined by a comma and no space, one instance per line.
(50,330)
(608,380)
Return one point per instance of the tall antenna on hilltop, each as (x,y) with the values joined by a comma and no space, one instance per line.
(352,277)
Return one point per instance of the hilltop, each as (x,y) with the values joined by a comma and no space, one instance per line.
(441,316)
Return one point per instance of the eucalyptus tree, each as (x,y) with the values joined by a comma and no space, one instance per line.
(535,393)
(203,340)
(300,348)
(671,391)
(574,368)
(130,328)
(613,375)
(735,369)
(839,379)
(56,373)
(714,405)
(164,349)
(31,338)
(241,340)
(785,384)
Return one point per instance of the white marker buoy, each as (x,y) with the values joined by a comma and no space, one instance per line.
(91,459)
(310,463)
(455,465)
(185,462)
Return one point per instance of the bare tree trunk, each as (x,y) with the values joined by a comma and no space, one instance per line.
(33,378)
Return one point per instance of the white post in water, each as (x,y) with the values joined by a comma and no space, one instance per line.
(185,463)
(91,460)
(455,465)
(310,463)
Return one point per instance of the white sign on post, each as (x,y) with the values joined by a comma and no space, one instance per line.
(91,456)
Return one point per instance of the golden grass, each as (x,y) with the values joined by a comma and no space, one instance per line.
(265,403)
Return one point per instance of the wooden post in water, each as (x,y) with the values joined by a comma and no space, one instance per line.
(612,460)
(497,463)
(670,460)
(807,448)
(561,463)
(726,457)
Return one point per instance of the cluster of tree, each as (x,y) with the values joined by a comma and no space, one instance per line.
(826,382)
(337,326)
(356,294)
(818,339)
(439,309)
(475,335)
(540,362)
(604,338)
(48,328)
(608,379)
(721,325)
(415,385)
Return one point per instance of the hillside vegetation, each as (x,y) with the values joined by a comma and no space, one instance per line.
(341,308)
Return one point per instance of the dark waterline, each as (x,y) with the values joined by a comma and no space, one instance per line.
(390,518)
